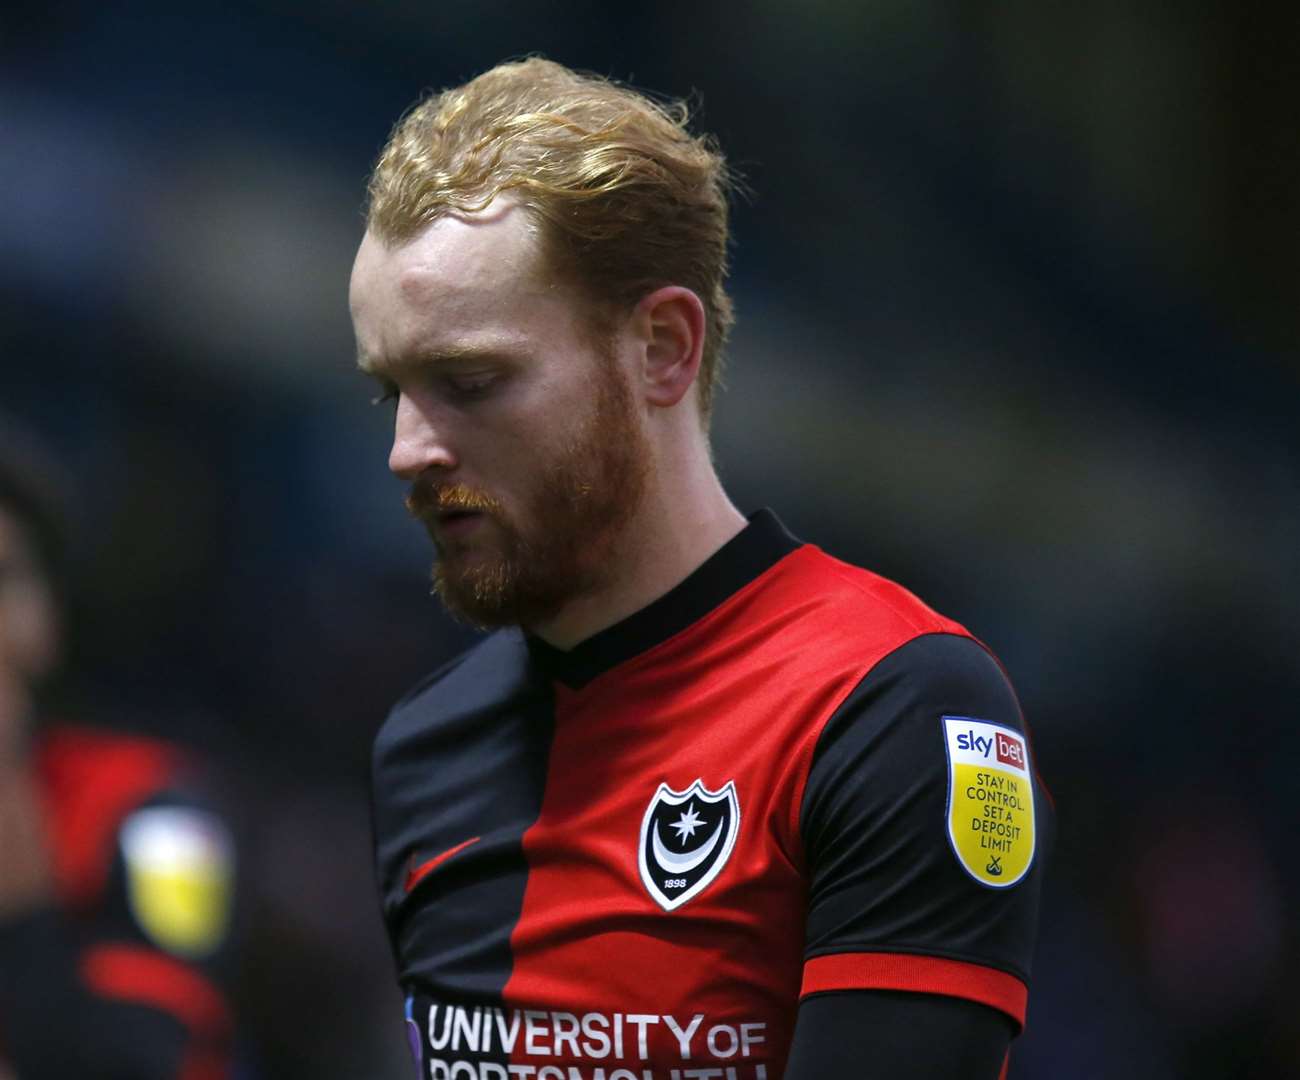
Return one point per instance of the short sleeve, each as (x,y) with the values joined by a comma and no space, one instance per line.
(926,831)
(140,974)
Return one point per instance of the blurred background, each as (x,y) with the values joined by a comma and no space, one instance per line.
(1019,306)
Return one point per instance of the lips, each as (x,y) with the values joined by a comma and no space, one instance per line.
(458,522)
(450,511)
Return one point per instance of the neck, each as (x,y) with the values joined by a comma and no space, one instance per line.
(668,539)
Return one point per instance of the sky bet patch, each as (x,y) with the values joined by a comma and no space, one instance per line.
(180,868)
(990,800)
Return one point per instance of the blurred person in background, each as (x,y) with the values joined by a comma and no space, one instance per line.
(117,873)
(709,798)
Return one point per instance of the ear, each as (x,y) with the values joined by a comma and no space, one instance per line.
(670,322)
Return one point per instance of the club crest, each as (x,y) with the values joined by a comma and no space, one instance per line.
(686,839)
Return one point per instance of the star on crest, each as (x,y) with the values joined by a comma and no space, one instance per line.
(687,824)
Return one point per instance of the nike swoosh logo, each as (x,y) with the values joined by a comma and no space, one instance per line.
(418,873)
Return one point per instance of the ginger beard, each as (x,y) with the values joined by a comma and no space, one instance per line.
(566,541)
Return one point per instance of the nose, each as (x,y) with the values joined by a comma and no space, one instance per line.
(420,442)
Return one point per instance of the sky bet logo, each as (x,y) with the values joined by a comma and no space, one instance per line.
(990,800)
(1010,750)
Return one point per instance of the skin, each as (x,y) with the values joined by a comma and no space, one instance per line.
(28,649)
(491,366)
(29,630)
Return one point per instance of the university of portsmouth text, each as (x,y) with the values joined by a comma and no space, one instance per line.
(716,1051)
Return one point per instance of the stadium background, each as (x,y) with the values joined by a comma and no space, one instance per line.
(1018,301)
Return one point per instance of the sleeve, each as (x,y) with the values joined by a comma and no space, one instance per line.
(132,986)
(926,830)
(874,1035)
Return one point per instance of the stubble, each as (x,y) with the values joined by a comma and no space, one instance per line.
(570,538)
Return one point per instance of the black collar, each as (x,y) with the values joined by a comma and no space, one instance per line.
(760,545)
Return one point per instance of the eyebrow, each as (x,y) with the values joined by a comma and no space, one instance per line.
(448,355)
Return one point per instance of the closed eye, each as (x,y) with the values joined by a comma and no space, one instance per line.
(472,387)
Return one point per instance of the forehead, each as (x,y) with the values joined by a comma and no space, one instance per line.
(463,282)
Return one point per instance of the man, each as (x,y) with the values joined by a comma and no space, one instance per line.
(116,881)
(710,804)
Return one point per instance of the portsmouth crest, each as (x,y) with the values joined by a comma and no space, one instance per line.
(686,839)
(990,800)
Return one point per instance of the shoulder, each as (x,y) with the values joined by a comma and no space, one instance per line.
(139,838)
(903,699)
(492,673)
(490,669)
(945,668)
(70,755)
(865,601)
(826,622)
(93,779)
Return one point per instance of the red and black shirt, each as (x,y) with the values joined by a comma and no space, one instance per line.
(123,973)
(635,859)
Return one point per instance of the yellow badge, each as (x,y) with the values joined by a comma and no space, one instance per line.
(180,871)
(990,800)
